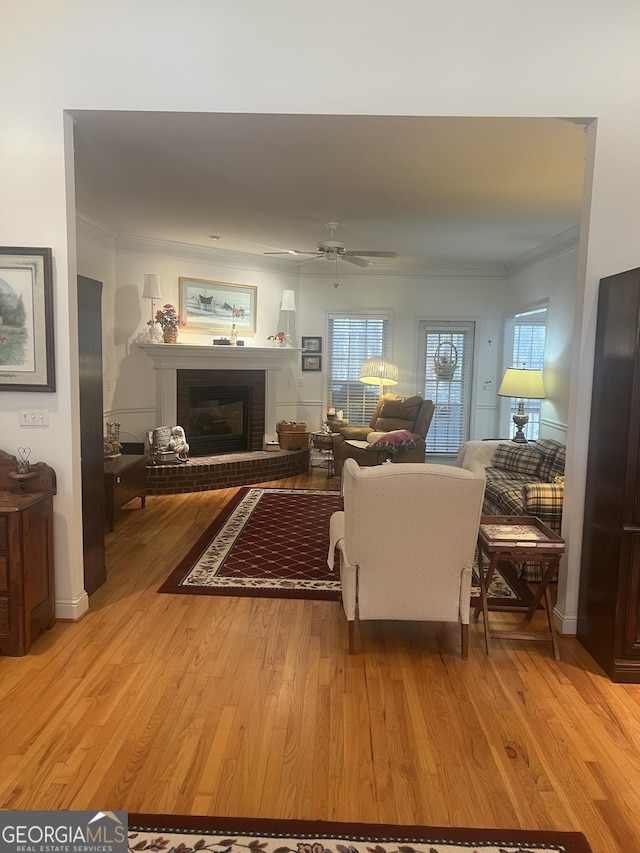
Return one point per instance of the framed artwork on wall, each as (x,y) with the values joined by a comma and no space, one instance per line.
(311,344)
(215,306)
(311,362)
(27,356)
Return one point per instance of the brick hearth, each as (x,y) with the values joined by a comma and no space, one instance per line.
(206,473)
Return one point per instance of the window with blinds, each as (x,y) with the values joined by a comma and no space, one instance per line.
(529,335)
(446,362)
(352,340)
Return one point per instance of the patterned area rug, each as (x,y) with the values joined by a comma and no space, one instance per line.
(238,835)
(266,542)
(273,542)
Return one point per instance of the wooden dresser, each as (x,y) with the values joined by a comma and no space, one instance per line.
(609,607)
(27,605)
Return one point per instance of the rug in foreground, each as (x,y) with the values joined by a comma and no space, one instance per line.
(188,834)
(273,542)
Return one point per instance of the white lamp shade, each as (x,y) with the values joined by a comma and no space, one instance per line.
(378,371)
(288,300)
(522,383)
(151,288)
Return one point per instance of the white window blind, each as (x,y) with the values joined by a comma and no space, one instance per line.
(352,340)
(529,335)
(447,351)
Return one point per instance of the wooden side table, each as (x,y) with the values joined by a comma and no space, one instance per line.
(518,537)
(124,479)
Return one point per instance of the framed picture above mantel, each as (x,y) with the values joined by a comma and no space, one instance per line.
(215,306)
(27,353)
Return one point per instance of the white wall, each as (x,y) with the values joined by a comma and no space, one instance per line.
(501,57)
(409,299)
(552,281)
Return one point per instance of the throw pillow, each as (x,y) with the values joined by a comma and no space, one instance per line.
(518,459)
(553,458)
(396,441)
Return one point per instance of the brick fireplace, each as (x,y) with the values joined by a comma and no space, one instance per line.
(179,365)
(169,358)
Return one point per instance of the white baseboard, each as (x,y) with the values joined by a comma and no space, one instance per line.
(72,610)
(566,623)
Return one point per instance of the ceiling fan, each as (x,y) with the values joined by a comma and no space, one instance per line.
(333,249)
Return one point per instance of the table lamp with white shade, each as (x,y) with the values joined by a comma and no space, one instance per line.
(151,290)
(289,307)
(523,384)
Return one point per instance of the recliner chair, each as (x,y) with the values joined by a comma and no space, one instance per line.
(392,413)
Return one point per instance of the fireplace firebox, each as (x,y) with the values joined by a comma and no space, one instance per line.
(217,419)
(241,390)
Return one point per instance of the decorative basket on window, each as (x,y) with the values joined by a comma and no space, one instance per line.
(445,360)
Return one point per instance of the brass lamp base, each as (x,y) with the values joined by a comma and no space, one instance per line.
(520,419)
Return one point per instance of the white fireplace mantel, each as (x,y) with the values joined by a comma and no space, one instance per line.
(169,358)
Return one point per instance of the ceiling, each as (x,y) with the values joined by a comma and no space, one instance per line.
(435,190)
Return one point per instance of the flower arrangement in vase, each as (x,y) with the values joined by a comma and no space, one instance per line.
(279,339)
(169,321)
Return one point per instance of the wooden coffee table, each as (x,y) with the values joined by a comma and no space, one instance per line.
(517,538)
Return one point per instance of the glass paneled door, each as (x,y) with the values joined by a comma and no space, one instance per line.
(446,355)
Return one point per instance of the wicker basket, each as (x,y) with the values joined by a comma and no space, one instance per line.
(293,436)
(285,426)
(293,440)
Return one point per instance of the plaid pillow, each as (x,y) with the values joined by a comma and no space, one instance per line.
(553,458)
(520,460)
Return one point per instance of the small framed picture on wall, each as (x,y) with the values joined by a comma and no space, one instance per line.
(311,362)
(311,344)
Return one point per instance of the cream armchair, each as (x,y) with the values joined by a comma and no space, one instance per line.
(407,538)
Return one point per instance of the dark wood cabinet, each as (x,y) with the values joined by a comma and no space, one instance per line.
(608,611)
(27,604)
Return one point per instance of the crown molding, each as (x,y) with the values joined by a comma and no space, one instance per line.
(244,261)
(190,252)
(413,270)
(97,230)
(564,242)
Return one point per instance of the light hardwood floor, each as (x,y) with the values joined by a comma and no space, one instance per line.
(253,707)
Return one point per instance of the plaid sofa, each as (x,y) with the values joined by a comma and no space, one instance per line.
(527,479)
